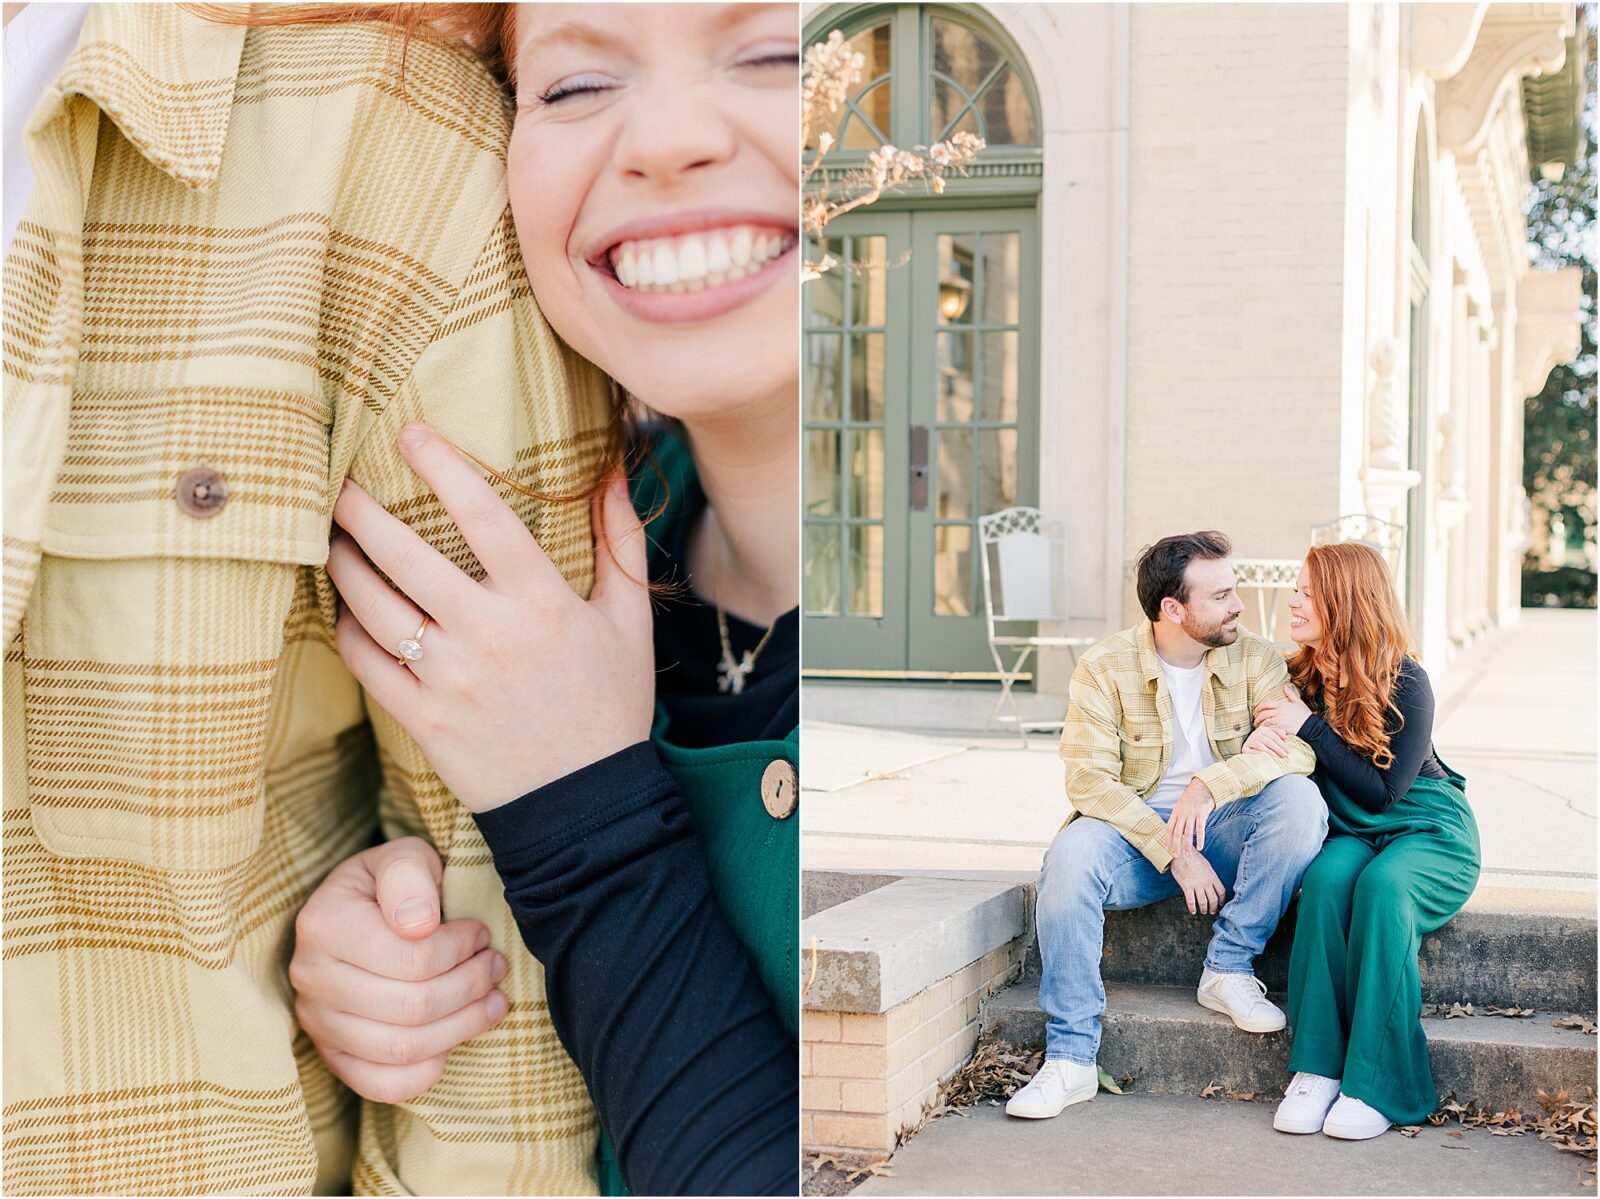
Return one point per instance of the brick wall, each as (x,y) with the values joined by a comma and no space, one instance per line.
(1237,176)
(866,1077)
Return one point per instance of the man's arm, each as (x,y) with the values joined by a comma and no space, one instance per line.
(1091,747)
(1244,775)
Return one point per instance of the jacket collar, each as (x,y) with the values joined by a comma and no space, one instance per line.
(1222,663)
(166,78)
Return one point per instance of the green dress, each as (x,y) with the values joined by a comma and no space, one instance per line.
(754,857)
(1382,882)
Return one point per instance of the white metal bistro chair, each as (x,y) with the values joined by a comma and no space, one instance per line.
(1388,538)
(1024,568)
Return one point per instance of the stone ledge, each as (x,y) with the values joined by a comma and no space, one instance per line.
(883,947)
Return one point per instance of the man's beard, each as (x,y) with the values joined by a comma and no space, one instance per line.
(1213,635)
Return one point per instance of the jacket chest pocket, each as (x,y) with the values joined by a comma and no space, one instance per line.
(1229,730)
(1143,746)
(157,622)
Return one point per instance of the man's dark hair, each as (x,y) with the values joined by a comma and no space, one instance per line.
(1162,566)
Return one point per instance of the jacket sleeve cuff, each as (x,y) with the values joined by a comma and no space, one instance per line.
(1225,786)
(574,806)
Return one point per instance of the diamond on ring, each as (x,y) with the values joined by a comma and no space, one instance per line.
(410,649)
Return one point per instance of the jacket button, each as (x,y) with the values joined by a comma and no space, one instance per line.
(1237,727)
(202,492)
(779,789)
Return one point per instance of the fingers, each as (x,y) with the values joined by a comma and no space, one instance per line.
(383,612)
(396,687)
(620,566)
(406,873)
(384,1084)
(430,579)
(1190,897)
(340,987)
(389,1044)
(494,532)
(1200,831)
(372,947)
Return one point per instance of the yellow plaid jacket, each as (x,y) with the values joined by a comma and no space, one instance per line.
(254,253)
(1118,736)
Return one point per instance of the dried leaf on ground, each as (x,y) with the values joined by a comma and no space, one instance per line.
(1107,1083)
(1243,1096)
(1455,1134)
(826,1159)
(997,1070)
(1409,1130)
(1457,1145)
(1211,1090)
(1127,1081)
(1581,1023)
(1514,1012)
(876,1169)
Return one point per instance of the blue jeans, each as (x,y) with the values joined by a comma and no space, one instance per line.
(1259,848)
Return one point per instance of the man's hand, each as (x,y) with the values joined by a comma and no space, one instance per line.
(385,991)
(1202,889)
(1186,827)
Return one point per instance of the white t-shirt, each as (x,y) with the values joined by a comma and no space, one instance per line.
(38,42)
(1191,747)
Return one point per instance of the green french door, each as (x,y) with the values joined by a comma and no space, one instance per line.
(921,416)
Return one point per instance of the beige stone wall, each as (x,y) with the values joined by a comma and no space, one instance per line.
(865,1078)
(1238,129)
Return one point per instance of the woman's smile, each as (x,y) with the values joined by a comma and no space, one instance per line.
(692,265)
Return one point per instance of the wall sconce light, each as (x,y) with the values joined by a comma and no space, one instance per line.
(955,293)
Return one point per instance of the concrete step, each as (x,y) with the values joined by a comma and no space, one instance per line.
(1505,948)
(1170,1044)
(1179,1145)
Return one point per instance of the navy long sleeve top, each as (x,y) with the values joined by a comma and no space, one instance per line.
(1410,741)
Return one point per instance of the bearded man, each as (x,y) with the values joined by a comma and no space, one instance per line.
(1170,791)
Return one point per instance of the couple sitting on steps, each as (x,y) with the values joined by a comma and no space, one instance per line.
(1187,747)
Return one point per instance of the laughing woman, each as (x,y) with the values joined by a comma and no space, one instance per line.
(1400,861)
(633,777)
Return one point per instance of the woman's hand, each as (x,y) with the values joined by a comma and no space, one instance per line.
(520,681)
(1266,740)
(384,990)
(1286,714)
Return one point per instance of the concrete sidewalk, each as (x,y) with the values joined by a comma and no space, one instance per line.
(1143,1144)
(1517,719)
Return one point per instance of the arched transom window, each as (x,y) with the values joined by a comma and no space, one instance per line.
(930,73)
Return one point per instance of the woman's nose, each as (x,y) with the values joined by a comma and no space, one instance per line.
(672,130)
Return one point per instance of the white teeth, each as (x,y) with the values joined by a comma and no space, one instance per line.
(665,264)
(697,261)
(692,259)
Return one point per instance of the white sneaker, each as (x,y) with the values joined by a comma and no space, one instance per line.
(1305,1104)
(1058,1084)
(1242,998)
(1352,1120)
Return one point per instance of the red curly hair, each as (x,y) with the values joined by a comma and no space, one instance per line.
(1366,639)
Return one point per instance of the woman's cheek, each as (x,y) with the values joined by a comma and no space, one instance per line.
(545,193)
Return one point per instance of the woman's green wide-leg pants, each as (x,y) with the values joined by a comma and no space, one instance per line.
(1381,883)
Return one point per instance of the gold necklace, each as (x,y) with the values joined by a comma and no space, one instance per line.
(731,671)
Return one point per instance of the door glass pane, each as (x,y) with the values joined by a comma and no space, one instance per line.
(997,469)
(857,136)
(1001,367)
(869,281)
(1007,114)
(866,473)
(1002,271)
(963,54)
(958,256)
(874,105)
(822,375)
(873,45)
(825,293)
(955,377)
(822,473)
(952,570)
(822,569)
(866,377)
(866,570)
(953,499)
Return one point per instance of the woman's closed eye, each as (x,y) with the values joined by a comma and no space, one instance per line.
(770,57)
(588,83)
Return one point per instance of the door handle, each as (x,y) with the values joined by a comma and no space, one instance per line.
(919,468)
